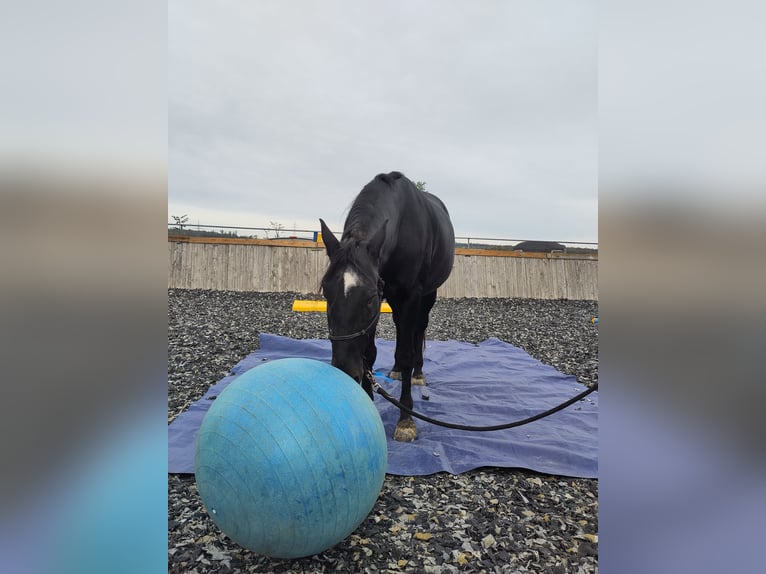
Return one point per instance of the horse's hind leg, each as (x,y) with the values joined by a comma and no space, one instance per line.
(426,304)
(396,372)
(418,378)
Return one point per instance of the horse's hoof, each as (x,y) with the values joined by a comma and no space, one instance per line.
(395,375)
(419,379)
(405,431)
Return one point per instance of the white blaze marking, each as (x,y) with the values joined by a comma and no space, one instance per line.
(350,279)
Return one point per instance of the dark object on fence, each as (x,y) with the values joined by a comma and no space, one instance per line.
(539,246)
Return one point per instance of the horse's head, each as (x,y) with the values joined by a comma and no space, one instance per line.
(353,289)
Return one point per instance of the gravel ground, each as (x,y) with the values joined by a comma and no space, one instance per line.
(487,520)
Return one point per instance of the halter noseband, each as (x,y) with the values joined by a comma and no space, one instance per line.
(357,334)
(368,327)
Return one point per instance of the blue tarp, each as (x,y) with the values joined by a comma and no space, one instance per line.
(486,384)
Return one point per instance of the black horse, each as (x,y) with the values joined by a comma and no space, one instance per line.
(398,243)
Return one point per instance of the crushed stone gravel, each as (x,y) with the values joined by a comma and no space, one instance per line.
(488,520)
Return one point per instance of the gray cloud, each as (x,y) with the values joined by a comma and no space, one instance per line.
(288,109)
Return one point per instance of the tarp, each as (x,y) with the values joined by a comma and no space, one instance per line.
(486,384)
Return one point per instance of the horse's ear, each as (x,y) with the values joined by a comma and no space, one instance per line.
(376,242)
(331,243)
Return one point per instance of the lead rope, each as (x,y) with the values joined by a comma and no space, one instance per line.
(383,393)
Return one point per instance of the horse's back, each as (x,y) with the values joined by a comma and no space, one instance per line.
(424,236)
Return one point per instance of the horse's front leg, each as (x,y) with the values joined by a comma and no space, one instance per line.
(405,429)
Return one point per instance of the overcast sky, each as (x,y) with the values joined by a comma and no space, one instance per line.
(283,111)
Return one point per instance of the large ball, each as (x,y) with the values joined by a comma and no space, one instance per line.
(290,458)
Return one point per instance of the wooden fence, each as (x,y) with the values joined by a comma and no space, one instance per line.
(296,265)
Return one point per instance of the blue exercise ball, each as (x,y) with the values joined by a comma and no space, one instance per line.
(290,458)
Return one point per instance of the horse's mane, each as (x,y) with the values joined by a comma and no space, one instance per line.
(365,210)
(362,221)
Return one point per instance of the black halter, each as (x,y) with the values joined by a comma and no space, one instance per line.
(358,333)
(368,327)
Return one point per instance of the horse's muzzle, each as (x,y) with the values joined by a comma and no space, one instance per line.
(356,374)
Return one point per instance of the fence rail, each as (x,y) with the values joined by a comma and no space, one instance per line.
(239,264)
(310,234)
